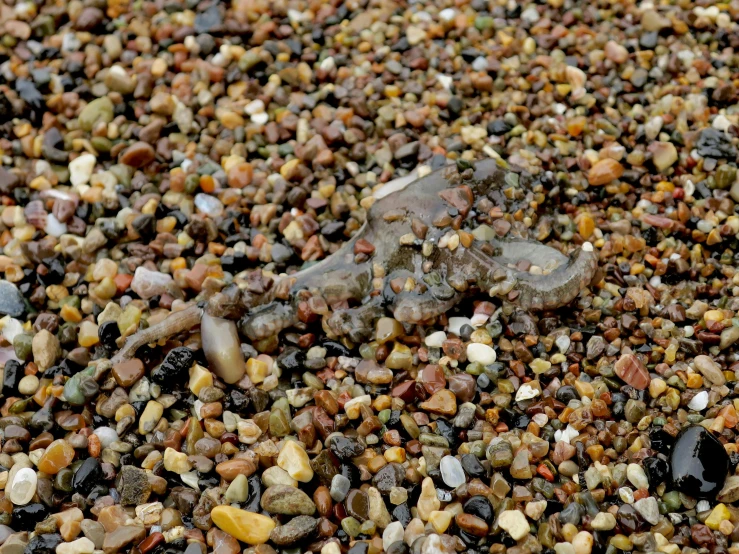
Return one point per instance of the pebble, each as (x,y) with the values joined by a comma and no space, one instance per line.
(340,486)
(147,283)
(698,463)
(648,509)
(295,530)
(514,523)
(11,300)
(632,370)
(636,476)
(603,521)
(480,353)
(283,499)
(23,486)
(452,472)
(709,369)
(295,461)
(699,401)
(392,534)
(245,526)
(80,169)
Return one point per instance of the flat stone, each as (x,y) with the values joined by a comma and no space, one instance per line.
(630,369)
(452,472)
(698,463)
(11,300)
(283,499)
(133,484)
(294,530)
(123,536)
(709,369)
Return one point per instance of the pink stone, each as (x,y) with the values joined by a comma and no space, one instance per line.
(630,369)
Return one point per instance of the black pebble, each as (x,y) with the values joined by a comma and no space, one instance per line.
(87,476)
(175,366)
(472,466)
(699,463)
(656,469)
(479,506)
(43,544)
(108,333)
(26,517)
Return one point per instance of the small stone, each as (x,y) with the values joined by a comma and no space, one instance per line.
(480,353)
(440,520)
(443,402)
(377,510)
(245,526)
(282,499)
(719,514)
(730,491)
(603,521)
(648,509)
(583,543)
(46,349)
(664,154)
(514,523)
(636,475)
(415,35)
(699,401)
(176,462)
(392,534)
(340,486)
(11,300)
(238,490)
(147,283)
(23,486)
(295,461)
(80,169)
(137,155)
(698,463)
(709,369)
(294,530)
(133,485)
(427,501)
(122,536)
(100,110)
(604,171)
(452,472)
(80,546)
(630,369)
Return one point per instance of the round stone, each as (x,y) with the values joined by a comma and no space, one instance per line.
(23,487)
(452,472)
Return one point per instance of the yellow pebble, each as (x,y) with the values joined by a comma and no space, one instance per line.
(245,526)
(720,513)
(199,378)
(440,520)
(395,454)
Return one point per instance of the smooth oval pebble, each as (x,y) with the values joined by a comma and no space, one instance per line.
(222,347)
(23,487)
(246,526)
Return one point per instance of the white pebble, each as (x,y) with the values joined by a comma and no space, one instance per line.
(435,340)
(635,474)
(106,435)
(456,324)
(392,534)
(209,205)
(452,472)
(147,283)
(481,353)
(699,401)
(80,169)
(23,487)
(54,227)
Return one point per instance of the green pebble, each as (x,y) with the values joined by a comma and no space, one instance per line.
(22,346)
(351,526)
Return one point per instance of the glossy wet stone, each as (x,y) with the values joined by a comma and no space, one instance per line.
(698,463)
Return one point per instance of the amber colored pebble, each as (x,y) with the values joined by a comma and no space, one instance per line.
(231,468)
(58,455)
(322,500)
(151,542)
(472,524)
